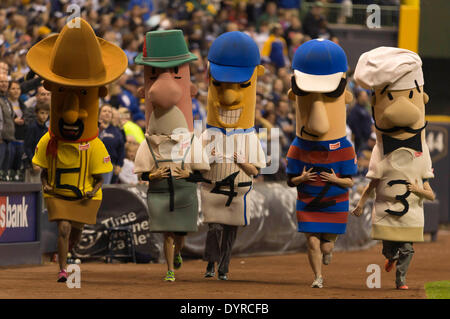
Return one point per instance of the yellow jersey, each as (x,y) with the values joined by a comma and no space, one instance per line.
(70,172)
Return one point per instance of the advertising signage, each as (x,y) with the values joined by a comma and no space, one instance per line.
(18,217)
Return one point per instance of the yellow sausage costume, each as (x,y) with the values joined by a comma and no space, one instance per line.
(231,141)
(75,65)
(400,154)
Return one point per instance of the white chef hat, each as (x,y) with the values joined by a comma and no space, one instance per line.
(398,68)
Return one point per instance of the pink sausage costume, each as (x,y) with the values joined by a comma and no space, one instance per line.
(171,152)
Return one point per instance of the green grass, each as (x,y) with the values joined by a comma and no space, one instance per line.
(438,290)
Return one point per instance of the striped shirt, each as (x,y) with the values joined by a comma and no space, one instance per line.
(322,207)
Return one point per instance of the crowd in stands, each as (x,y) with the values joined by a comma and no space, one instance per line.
(276,27)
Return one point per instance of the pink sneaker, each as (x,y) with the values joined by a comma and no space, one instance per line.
(62,276)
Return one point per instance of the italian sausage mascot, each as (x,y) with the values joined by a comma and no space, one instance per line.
(75,65)
(231,142)
(320,160)
(400,165)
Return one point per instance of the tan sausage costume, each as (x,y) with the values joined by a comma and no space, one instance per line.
(400,155)
(400,165)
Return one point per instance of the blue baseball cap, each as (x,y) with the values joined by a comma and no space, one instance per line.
(319,65)
(233,57)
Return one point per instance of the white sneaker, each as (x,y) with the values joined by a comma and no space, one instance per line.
(317,283)
(326,259)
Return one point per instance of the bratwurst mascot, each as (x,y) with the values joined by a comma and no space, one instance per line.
(235,151)
(400,165)
(171,157)
(321,160)
(75,65)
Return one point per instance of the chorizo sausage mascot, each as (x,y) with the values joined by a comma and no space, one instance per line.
(171,157)
(75,65)
(235,151)
(400,165)
(321,160)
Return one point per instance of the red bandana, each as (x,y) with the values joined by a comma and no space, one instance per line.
(52,146)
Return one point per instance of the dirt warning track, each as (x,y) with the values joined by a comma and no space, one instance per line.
(285,276)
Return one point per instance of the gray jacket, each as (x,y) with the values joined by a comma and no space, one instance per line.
(8,130)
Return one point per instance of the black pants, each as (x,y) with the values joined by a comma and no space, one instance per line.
(219,243)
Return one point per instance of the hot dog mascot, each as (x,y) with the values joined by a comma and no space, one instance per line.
(171,157)
(321,160)
(75,65)
(235,151)
(400,165)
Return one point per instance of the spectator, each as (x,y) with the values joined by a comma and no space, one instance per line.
(275,48)
(270,16)
(255,9)
(19,127)
(7,133)
(34,132)
(113,140)
(285,121)
(262,36)
(130,128)
(292,5)
(4,68)
(143,8)
(42,97)
(293,29)
(313,21)
(360,120)
(127,96)
(130,47)
(127,175)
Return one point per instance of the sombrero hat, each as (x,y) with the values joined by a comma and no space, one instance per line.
(77,57)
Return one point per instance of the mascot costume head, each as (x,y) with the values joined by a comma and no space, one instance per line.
(234,67)
(319,90)
(168,89)
(76,65)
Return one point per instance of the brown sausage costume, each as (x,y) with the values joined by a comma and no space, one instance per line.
(400,163)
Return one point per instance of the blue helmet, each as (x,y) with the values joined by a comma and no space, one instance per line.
(233,57)
(319,65)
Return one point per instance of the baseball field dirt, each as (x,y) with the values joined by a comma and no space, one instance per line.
(284,276)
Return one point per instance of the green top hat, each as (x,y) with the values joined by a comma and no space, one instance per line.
(164,49)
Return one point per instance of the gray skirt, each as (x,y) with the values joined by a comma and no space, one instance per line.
(172,214)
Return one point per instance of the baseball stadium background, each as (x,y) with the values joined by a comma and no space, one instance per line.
(121,258)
